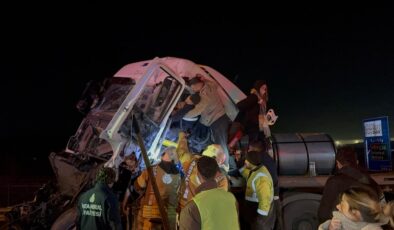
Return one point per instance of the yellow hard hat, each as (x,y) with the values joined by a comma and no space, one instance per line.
(168,143)
(212,150)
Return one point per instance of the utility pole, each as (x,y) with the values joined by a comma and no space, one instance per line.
(152,177)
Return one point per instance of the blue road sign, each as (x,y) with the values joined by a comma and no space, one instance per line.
(377,144)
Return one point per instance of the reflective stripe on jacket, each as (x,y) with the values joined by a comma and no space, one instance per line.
(259,188)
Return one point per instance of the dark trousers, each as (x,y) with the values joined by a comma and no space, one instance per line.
(220,132)
(279,218)
(250,219)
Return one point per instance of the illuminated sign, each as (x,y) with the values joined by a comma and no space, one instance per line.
(377,144)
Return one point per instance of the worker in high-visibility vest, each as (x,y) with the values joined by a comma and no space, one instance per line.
(257,209)
(211,208)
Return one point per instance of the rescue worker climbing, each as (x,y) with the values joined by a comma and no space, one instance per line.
(167,179)
(98,208)
(212,112)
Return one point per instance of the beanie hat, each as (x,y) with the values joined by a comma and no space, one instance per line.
(254,157)
(257,85)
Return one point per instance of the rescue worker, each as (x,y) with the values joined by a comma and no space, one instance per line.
(182,150)
(167,179)
(98,208)
(257,209)
(212,112)
(261,147)
(131,165)
(211,207)
(190,182)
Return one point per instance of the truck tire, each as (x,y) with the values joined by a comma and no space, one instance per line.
(66,221)
(299,211)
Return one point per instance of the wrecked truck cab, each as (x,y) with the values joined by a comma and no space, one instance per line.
(146,91)
(148,98)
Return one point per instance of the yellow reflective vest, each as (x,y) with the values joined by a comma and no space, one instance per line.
(217,209)
(259,188)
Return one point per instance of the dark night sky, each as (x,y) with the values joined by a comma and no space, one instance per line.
(326,72)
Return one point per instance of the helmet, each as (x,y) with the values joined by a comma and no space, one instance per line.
(213,150)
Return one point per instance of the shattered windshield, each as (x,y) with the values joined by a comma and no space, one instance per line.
(156,100)
(116,94)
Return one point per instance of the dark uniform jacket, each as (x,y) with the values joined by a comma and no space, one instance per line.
(345,178)
(98,208)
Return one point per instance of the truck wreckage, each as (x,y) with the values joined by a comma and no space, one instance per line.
(147,92)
